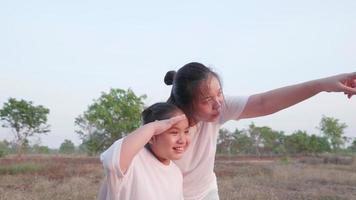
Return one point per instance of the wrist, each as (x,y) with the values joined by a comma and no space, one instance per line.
(317,86)
(149,129)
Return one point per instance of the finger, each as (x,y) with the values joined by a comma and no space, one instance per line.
(353,75)
(348,90)
(177,119)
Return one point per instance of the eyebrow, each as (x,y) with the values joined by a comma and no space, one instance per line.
(174,128)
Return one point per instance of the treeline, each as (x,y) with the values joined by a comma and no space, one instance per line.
(264,141)
(67,147)
(118,112)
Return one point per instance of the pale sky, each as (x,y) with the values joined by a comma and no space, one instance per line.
(63,54)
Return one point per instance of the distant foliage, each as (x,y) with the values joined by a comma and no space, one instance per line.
(265,141)
(67,147)
(353,146)
(110,117)
(334,131)
(24,119)
(40,149)
(5,148)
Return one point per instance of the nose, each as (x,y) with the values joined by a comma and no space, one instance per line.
(182,138)
(217,103)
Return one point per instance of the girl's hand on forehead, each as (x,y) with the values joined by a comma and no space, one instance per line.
(163,125)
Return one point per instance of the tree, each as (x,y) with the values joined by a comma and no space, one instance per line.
(82,148)
(273,141)
(67,147)
(40,149)
(24,119)
(324,145)
(353,146)
(4,148)
(333,130)
(93,140)
(298,142)
(255,136)
(313,146)
(224,142)
(241,143)
(110,117)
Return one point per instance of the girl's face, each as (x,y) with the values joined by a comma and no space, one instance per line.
(207,106)
(171,144)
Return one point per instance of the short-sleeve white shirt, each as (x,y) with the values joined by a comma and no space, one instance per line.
(197,163)
(146,177)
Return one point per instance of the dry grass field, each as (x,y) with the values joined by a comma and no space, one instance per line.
(293,180)
(78,178)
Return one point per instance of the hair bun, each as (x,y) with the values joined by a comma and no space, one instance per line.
(168,79)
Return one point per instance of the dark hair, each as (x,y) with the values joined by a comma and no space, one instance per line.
(186,82)
(158,111)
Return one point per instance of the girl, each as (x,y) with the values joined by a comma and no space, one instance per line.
(197,91)
(139,165)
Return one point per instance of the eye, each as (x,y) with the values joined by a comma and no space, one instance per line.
(174,132)
(208,99)
(186,131)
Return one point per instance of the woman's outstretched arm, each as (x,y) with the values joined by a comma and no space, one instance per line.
(275,100)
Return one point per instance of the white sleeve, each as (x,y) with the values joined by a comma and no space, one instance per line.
(232,108)
(115,178)
(111,159)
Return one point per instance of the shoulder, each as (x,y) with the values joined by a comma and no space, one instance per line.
(230,100)
(232,107)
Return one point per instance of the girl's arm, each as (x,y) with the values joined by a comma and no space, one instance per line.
(275,100)
(134,142)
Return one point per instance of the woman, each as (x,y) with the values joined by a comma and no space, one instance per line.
(139,165)
(197,91)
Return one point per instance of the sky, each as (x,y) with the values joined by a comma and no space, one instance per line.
(64,54)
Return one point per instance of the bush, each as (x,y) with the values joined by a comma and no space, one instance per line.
(2,153)
(4,150)
(67,147)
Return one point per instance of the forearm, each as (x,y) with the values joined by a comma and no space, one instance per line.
(133,143)
(281,98)
(278,99)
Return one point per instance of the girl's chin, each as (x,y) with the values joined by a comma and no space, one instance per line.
(176,156)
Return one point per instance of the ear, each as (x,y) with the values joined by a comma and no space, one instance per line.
(152,140)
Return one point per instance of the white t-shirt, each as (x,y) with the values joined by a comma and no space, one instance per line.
(146,177)
(197,163)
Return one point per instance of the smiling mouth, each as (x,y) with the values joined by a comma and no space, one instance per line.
(178,149)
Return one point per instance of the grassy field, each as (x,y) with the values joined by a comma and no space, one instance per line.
(75,177)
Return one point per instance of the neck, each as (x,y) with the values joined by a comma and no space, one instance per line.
(164,161)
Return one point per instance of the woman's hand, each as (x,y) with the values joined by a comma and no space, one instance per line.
(340,83)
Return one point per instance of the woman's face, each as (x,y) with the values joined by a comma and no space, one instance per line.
(208,105)
(171,144)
